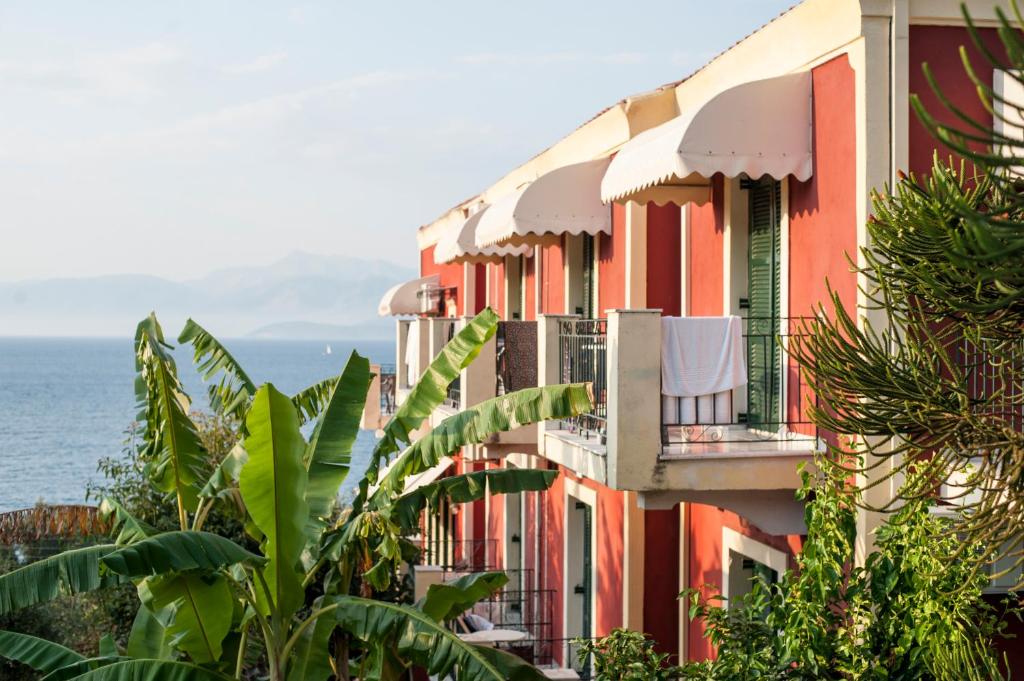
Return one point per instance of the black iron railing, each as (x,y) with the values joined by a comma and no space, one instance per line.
(459,555)
(388,382)
(453,394)
(772,405)
(992,372)
(515,356)
(583,357)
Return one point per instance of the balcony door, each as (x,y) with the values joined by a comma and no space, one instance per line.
(764,281)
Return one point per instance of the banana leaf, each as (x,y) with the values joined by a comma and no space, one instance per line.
(178,551)
(460,489)
(231,396)
(273,486)
(128,528)
(71,572)
(152,670)
(419,639)
(39,654)
(310,401)
(172,444)
(310,658)
(198,610)
(329,451)
(478,424)
(429,391)
(448,600)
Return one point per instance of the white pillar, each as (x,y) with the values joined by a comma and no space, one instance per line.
(634,395)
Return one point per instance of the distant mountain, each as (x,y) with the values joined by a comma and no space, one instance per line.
(336,291)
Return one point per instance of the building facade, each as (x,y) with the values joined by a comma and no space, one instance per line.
(717,211)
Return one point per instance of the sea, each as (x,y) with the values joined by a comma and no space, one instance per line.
(66,402)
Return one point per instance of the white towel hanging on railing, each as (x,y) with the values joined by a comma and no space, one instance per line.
(701,355)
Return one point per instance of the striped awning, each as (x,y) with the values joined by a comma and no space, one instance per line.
(403,299)
(762,127)
(566,200)
(459,244)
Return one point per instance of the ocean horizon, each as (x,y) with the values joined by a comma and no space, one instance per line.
(66,402)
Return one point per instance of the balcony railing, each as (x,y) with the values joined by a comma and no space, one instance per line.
(453,394)
(771,406)
(583,351)
(993,372)
(515,356)
(459,555)
(388,383)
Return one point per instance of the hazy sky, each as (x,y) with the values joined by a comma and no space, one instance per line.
(178,137)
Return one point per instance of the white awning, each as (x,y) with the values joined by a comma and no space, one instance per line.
(402,299)
(459,245)
(564,200)
(759,128)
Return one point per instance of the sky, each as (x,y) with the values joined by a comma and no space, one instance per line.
(176,138)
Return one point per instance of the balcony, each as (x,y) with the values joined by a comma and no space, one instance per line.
(737,449)
(381,398)
(744,419)
(506,363)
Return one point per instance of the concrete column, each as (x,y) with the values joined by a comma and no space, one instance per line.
(634,396)
(469,292)
(437,336)
(632,563)
(423,356)
(548,367)
(478,379)
(424,576)
(402,343)
(371,409)
(636,256)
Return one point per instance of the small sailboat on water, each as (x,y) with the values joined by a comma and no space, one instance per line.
(327,351)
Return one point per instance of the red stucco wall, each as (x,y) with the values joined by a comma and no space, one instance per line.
(823,211)
(495,526)
(496,289)
(939,47)
(611,265)
(480,277)
(704,251)
(451,274)
(552,279)
(661,578)
(554,540)
(530,283)
(704,532)
(663,258)
(609,554)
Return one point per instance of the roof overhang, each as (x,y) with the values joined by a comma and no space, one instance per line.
(459,244)
(761,127)
(403,298)
(566,200)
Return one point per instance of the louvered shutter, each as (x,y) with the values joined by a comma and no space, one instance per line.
(764,363)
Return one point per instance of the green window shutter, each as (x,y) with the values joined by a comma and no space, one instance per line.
(588,276)
(764,361)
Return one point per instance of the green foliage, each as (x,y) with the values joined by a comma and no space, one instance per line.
(934,384)
(907,613)
(626,655)
(206,596)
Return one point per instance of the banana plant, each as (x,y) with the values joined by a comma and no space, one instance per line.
(313,600)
